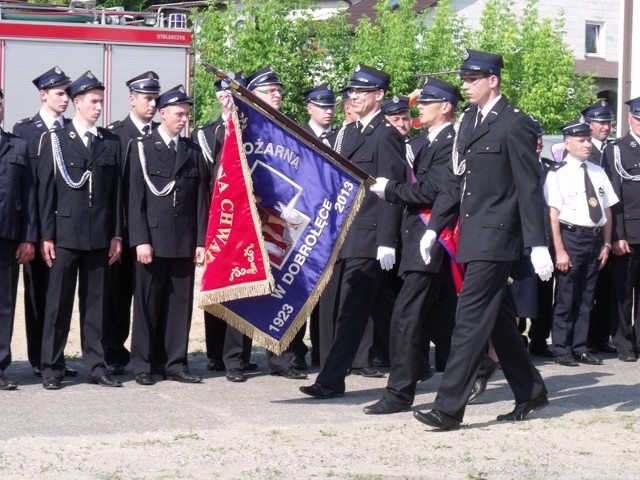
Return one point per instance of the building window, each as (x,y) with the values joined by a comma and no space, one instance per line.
(592,43)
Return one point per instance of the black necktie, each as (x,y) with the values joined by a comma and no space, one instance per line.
(359,125)
(595,212)
(89,136)
(145,129)
(172,148)
(478,120)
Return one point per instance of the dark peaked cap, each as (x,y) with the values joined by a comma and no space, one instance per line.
(369,78)
(435,90)
(147,82)
(264,76)
(321,95)
(576,128)
(175,96)
(474,61)
(396,104)
(54,77)
(85,82)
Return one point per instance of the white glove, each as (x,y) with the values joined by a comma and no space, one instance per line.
(387,257)
(426,242)
(542,263)
(379,186)
(288,213)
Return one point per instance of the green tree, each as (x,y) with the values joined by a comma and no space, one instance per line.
(302,50)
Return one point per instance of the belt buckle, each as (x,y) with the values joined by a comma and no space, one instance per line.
(597,230)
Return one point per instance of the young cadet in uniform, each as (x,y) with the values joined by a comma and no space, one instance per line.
(580,197)
(167,212)
(599,116)
(210,137)
(18,233)
(80,205)
(321,107)
(143,90)
(501,209)
(51,87)
(422,283)
(623,160)
(369,249)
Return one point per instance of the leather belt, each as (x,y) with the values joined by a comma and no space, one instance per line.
(577,228)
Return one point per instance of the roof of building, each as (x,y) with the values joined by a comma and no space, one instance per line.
(598,67)
(365,8)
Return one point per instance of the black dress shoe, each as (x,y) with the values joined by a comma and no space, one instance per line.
(479,386)
(588,358)
(384,407)
(184,377)
(70,372)
(291,373)
(523,409)
(236,375)
(437,419)
(105,380)
(605,347)
(215,365)
(317,390)
(145,378)
(369,372)
(542,351)
(115,369)
(628,356)
(37,372)
(251,367)
(51,383)
(566,359)
(6,384)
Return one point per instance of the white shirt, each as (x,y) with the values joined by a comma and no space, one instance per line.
(81,131)
(564,190)
(366,120)
(49,120)
(433,133)
(139,125)
(167,138)
(488,107)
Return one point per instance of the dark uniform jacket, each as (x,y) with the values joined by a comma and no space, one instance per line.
(500,193)
(31,130)
(18,217)
(330,137)
(127,131)
(174,224)
(430,167)
(626,213)
(86,218)
(380,152)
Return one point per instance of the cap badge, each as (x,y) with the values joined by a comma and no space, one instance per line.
(465,56)
(358,68)
(90,75)
(57,70)
(395,99)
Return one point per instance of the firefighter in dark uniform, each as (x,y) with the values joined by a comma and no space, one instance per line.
(369,249)
(18,233)
(599,116)
(422,283)
(501,207)
(167,213)
(51,89)
(623,160)
(210,137)
(580,196)
(143,90)
(81,219)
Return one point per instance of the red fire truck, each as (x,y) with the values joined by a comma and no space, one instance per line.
(115,45)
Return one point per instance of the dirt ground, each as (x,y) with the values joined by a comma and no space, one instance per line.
(266,429)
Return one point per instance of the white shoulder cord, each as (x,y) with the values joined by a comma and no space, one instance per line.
(410,155)
(339,138)
(620,169)
(458,167)
(206,149)
(143,163)
(58,161)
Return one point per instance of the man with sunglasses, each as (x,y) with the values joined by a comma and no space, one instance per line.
(496,186)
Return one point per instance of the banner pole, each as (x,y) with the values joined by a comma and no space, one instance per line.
(290,125)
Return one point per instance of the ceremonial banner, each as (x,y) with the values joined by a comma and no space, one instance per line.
(304,202)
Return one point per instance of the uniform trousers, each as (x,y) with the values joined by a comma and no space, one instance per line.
(87,268)
(574,293)
(600,321)
(407,335)
(625,273)
(485,313)
(237,349)
(364,292)
(540,328)
(35,294)
(118,317)
(215,330)
(162,308)
(328,311)
(9,270)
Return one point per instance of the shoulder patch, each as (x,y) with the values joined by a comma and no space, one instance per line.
(116,124)
(25,120)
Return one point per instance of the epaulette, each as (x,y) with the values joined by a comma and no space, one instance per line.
(24,120)
(116,124)
(557,165)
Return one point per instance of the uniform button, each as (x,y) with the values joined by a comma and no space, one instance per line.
(177,177)
(177,189)
(468,193)
(466,215)
(469,151)
(177,202)
(502,224)
(176,215)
